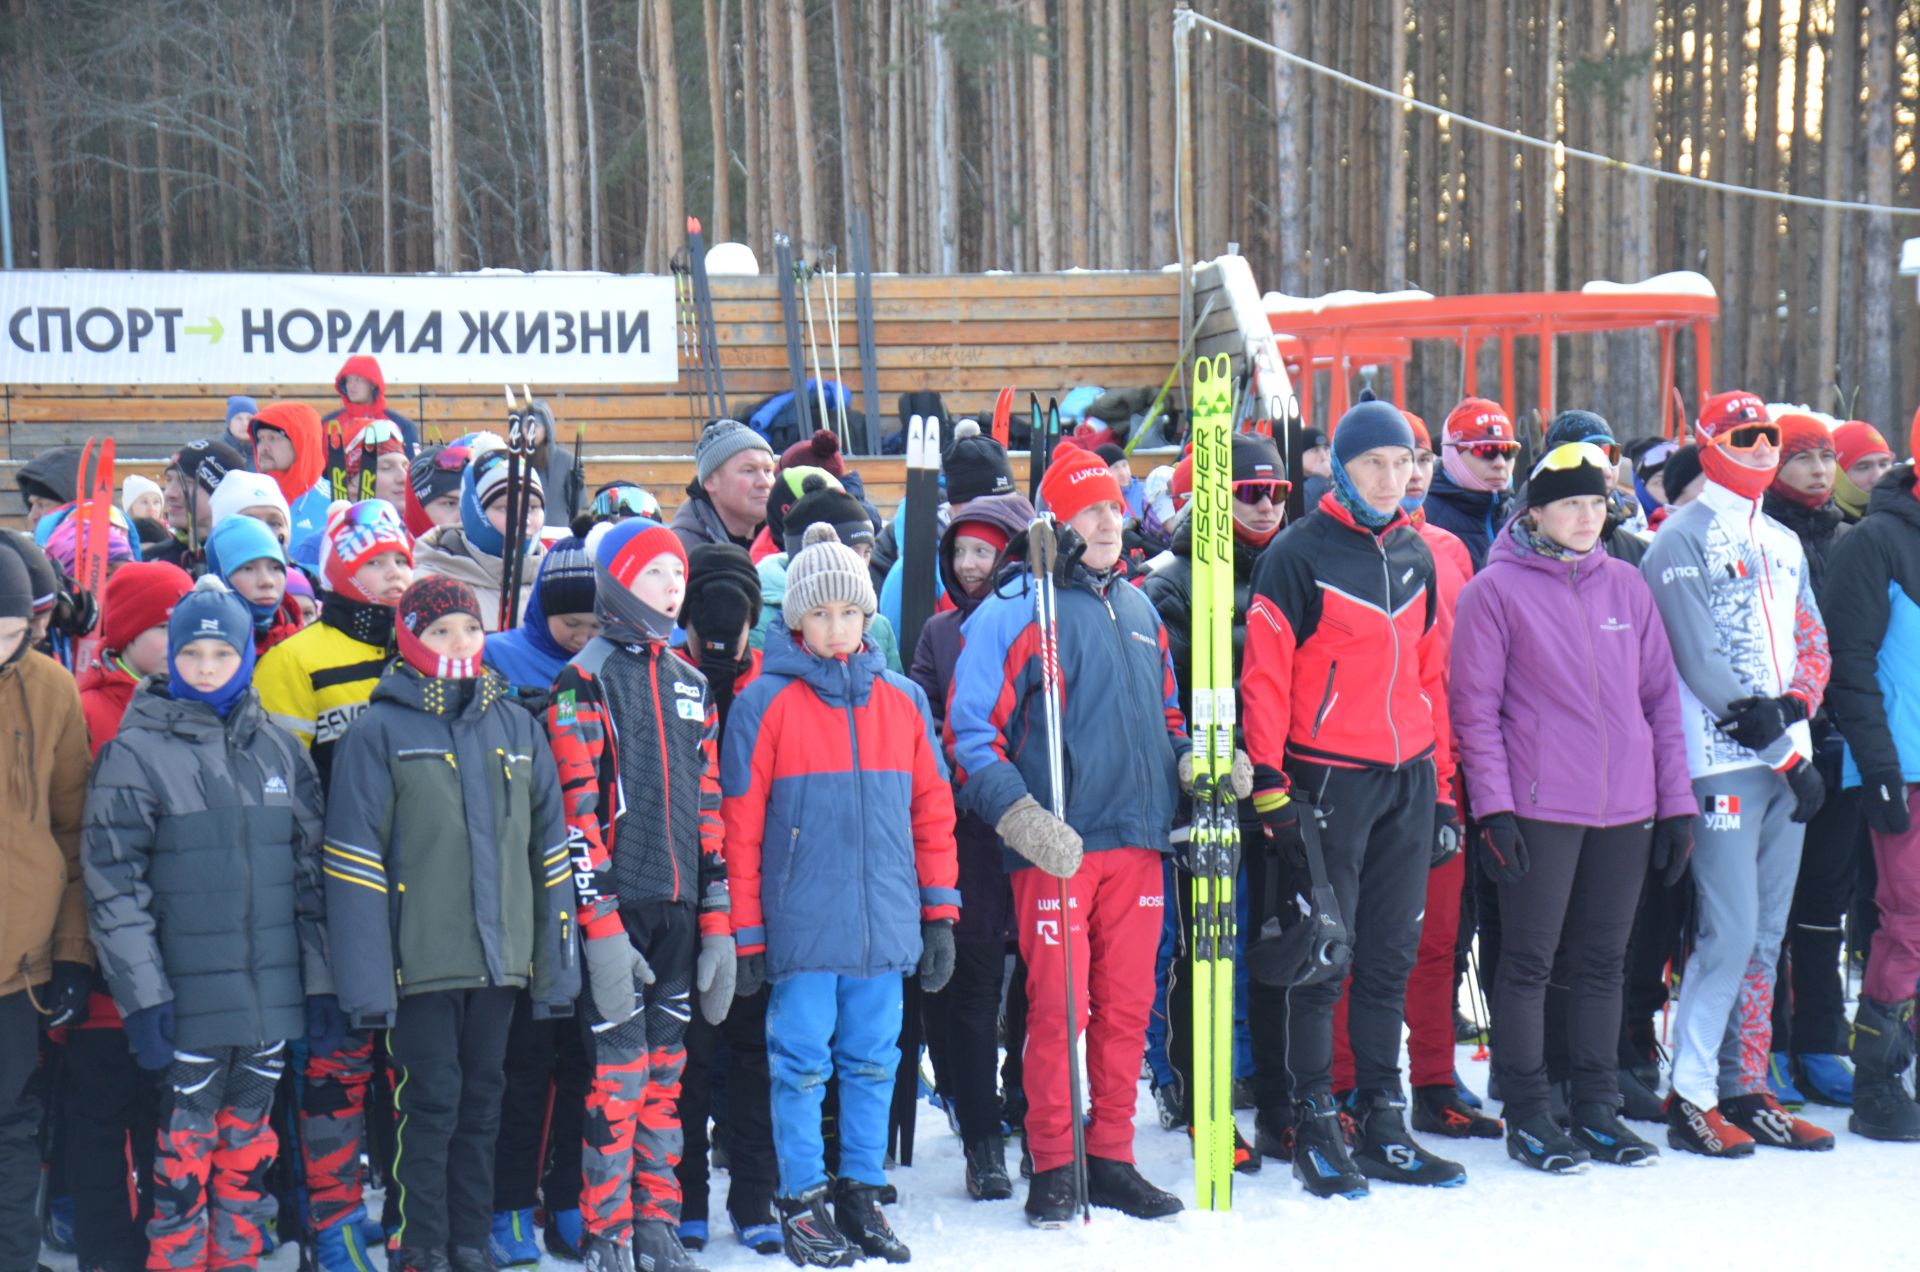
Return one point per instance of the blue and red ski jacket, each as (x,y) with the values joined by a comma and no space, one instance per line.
(838,816)
(1121,727)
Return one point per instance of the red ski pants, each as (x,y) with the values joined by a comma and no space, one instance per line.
(1116,903)
(1429,1006)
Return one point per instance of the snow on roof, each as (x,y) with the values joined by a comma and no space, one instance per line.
(1776,409)
(1281,302)
(1679,282)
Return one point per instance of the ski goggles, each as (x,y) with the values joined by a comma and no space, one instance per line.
(1605,444)
(1491,451)
(617,503)
(1570,455)
(1252,492)
(1748,436)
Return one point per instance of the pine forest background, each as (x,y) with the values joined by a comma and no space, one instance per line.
(414,135)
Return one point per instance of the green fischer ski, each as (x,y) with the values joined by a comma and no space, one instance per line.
(1213,848)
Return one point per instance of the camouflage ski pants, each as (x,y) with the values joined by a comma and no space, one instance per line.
(333,1119)
(211,1204)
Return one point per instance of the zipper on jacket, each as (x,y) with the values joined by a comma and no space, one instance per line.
(399,916)
(1327,696)
(1593,678)
(860,820)
(1393,629)
(1113,625)
(666,783)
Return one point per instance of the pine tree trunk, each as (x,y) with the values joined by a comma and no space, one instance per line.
(1073,95)
(752,127)
(1157,34)
(594,198)
(572,217)
(1635,388)
(1763,258)
(1393,273)
(1876,379)
(803,127)
(1842,64)
(386,153)
(719,215)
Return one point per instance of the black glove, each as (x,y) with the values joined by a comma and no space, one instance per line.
(1280,823)
(150,1035)
(1502,853)
(1883,797)
(749,975)
(1757,723)
(1809,792)
(1446,835)
(67,994)
(1672,847)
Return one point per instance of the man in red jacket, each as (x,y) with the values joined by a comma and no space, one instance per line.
(1345,714)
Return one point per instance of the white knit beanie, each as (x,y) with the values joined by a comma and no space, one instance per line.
(826,570)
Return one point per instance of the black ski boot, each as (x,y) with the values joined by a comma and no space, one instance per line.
(470,1258)
(1882,1050)
(423,1259)
(1052,1197)
(1439,1110)
(1320,1159)
(987,1170)
(1118,1186)
(1169,1106)
(1273,1133)
(1537,1141)
(657,1248)
(1708,1132)
(1597,1129)
(857,1213)
(1640,1094)
(1762,1116)
(807,1231)
(1383,1149)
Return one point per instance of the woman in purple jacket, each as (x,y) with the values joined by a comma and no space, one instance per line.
(1567,715)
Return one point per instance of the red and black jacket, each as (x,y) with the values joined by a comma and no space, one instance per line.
(1344,655)
(633,730)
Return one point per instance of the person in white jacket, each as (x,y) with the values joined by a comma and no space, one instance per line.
(1751,649)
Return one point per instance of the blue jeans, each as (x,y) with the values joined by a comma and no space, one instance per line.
(820,1025)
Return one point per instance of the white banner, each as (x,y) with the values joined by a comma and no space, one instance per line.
(100,327)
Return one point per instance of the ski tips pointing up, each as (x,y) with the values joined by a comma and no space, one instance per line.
(693,225)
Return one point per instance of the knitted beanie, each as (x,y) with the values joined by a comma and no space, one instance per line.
(135,488)
(240,403)
(423,604)
(208,610)
(829,504)
(1577,426)
(490,482)
(240,490)
(827,571)
(565,583)
(723,594)
(1800,432)
(355,534)
(975,465)
(1076,480)
(139,598)
(822,450)
(719,442)
(16,592)
(790,486)
(207,461)
(238,540)
(1548,484)
(1369,425)
(1724,412)
(1857,440)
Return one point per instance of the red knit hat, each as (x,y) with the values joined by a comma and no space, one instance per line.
(1799,433)
(822,450)
(355,534)
(1724,412)
(425,602)
(140,596)
(625,548)
(1856,440)
(1419,427)
(1477,420)
(1180,487)
(985,531)
(1076,480)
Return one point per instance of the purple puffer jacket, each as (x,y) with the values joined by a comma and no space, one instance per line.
(1565,703)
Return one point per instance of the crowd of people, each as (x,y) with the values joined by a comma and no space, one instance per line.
(321,882)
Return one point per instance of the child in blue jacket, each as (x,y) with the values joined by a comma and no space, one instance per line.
(841,865)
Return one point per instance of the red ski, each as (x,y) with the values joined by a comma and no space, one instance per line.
(94,507)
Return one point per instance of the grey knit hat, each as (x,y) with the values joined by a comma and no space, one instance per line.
(825,571)
(719,442)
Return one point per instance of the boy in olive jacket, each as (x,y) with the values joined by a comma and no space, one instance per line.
(447,891)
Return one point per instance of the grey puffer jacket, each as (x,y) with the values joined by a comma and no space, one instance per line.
(202,870)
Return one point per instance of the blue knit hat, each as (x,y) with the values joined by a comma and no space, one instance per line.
(238,540)
(1368,425)
(241,402)
(210,612)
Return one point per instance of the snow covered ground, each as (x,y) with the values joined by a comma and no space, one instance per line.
(1774,1210)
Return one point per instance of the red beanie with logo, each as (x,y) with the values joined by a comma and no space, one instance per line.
(1075,481)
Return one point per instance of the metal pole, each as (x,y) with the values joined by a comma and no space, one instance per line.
(6,199)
